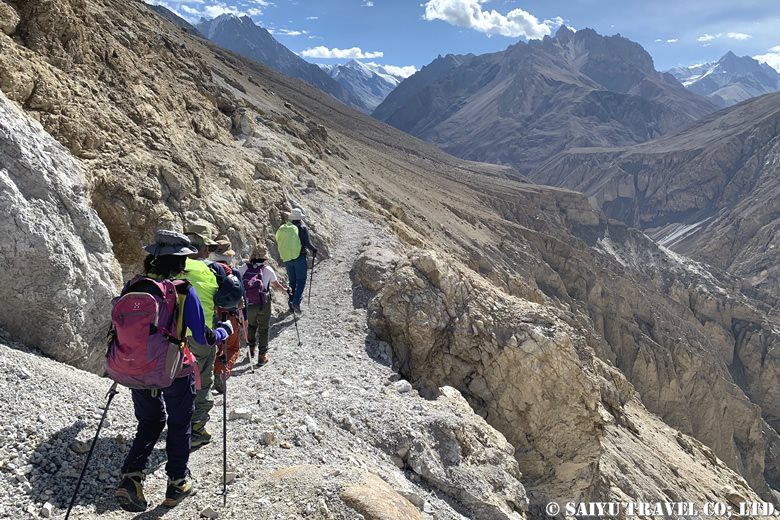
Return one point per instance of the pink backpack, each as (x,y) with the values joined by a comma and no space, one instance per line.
(254,286)
(147,347)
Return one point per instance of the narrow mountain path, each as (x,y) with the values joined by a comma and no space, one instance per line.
(317,419)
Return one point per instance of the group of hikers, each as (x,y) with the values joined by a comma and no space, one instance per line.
(176,334)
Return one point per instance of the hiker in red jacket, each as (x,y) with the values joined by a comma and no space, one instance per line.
(225,255)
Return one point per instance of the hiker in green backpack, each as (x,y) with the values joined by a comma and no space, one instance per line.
(292,239)
(204,281)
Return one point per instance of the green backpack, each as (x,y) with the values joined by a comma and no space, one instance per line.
(288,242)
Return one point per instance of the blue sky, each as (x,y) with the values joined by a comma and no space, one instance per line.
(411,33)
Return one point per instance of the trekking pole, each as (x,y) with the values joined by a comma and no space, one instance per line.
(311,279)
(224,418)
(242,324)
(295,320)
(110,395)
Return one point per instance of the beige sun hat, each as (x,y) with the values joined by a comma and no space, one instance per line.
(201,229)
(224,246)
(260,252)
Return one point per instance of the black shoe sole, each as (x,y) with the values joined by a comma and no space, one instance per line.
(171,502)
(128,505)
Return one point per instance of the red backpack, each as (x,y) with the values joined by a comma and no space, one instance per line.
(147,347)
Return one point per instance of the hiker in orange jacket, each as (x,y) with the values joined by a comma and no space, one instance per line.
(225,255)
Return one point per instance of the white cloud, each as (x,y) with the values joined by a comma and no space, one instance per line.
(771,58)
(469,14)
(733,35)
(658,40)
(353,53)
(312,17)
(193,10)
(403,72)
(287,32)
(368,3)
(673,40)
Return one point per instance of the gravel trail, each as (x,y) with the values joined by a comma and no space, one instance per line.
(305,426)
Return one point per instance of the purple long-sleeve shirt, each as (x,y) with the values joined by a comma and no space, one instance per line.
(196,322)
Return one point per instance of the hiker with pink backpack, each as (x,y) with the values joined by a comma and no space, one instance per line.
(148,353)
(258,277)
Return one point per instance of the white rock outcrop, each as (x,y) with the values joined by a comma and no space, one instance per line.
(58,272)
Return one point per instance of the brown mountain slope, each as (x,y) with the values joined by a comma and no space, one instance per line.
(169,128)
(523,105)
(710,192)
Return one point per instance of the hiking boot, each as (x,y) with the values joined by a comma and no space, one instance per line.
(262,359)
(200,436)
(219,384)
(177,491)
(297,309)
(130,492)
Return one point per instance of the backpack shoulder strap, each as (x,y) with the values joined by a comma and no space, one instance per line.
(182,286)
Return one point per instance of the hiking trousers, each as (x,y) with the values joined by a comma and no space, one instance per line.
(205,355)
(178,400)
(259,324)
(296,277)
(232,345)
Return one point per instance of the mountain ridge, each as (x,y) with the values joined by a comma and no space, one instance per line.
(730,80)
(691,189)
(243,36)
(370,84)
(521,106)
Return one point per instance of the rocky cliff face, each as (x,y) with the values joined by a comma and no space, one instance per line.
(521,106)
(174,128)
(712,184)
(58,271)
(165,133)
(576,423)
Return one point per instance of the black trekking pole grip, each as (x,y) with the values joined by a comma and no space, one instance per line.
(110,395)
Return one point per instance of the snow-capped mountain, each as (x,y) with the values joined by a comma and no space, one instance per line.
(730,80)
(370,82)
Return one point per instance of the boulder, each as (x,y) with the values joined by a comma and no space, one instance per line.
(59,273)
(373,498)
(8,19)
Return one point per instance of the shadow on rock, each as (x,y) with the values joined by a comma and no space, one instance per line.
(278,324)
(154,514)
(57,464)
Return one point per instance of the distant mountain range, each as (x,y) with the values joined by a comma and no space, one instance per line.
(523,105)
(242,36)
(369,82)
(730,80)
